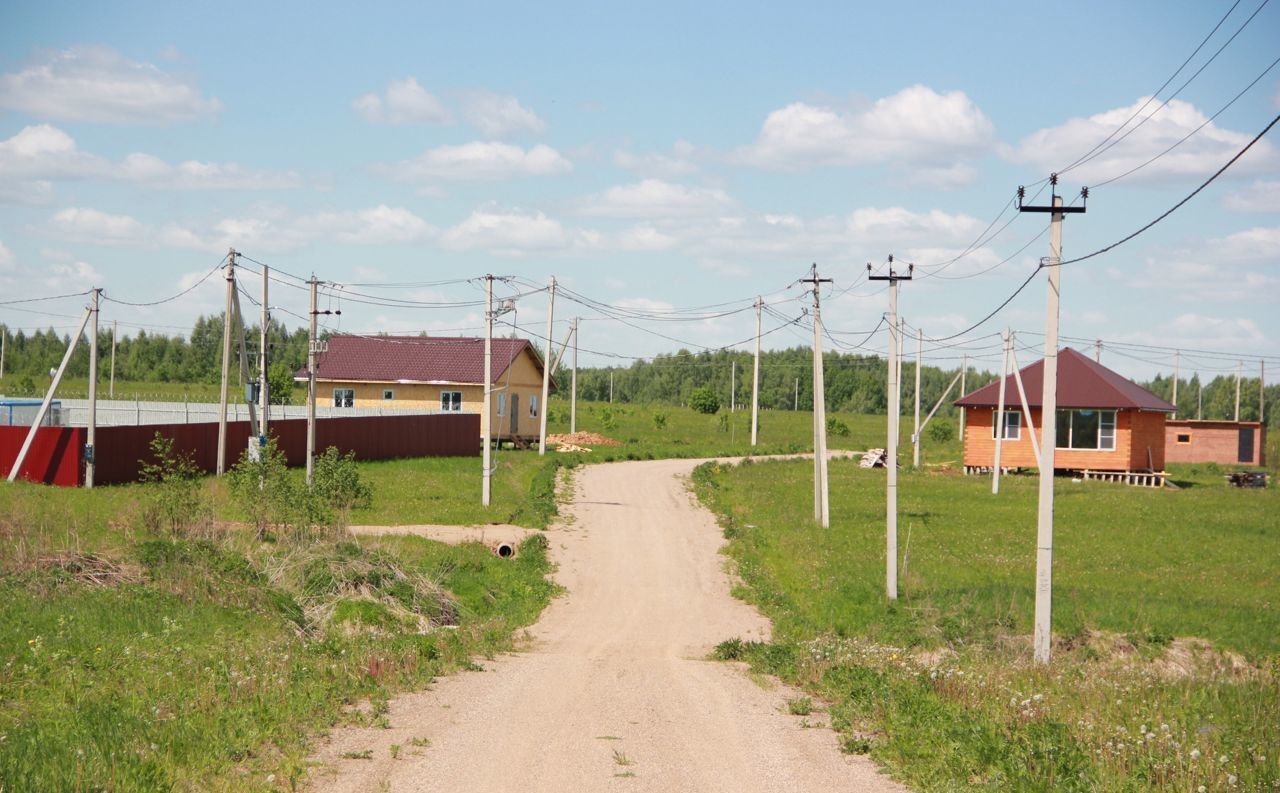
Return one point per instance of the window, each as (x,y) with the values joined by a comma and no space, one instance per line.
(451,401)
(533,406)
(1087,429)
(1184,437)
(388,394)
(1012,425)
(502,404)
(344,397)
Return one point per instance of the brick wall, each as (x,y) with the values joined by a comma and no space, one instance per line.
(1213,442)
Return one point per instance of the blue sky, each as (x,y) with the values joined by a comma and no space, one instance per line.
(652,157)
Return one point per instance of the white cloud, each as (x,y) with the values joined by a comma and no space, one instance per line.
(498,116)
(678,163)
(376,225)
(404,102)
(507,232)
(97,84)
(895,224)
(654,198)
(916,127)
(1261,196)
(36,192)
(44,152)
(1235,269)
(6,258)
(1256,244)
(479,161)
(1054,148)
(645,238)
(92,225)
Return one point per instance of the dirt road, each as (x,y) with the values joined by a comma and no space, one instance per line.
(614,693)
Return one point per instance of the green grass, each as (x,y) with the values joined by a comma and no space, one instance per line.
(940,684)
(135,662)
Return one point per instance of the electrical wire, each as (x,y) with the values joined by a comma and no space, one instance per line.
(171,298)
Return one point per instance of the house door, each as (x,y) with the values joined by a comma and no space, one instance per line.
(1245,452)
(515,414)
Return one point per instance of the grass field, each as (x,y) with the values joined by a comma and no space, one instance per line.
(940,684)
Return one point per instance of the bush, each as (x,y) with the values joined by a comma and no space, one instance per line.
(659,421)
(704,400)
(837,427)
(607,419)
(941,430)
(336,483)
(175,499)
(264,491)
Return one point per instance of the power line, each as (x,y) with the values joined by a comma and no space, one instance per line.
(171,298)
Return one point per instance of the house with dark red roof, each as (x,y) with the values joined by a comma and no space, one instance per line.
(1104,423)
(434,373)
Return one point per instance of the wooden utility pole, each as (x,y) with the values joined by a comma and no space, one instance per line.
(891,443)
(964,370)
(486,417)
(573,401)
(755,381)
(111,394)
(48,398)
(264,396)
(91,433)
(821,498)
(1048,421)
(915,435)
(997,421)
(547,366)
(226,362)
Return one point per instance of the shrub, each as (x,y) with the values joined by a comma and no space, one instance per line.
(941,430)
(264,491)
(175,499)
(336,483)
(659,421)
(704,400)
(837,427)
(607,419)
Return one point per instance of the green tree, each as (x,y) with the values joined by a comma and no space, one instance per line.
(704,400)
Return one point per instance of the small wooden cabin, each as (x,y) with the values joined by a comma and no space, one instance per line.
(444,374)
(1105,423)
(1227,442)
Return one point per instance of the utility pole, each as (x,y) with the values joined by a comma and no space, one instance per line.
(755,381)
(964,370)
(891,443)
(795,405)
(263,388)
(997,422)
(1262,391)
(314,347)
(226,362)
(91,434)
(821,499)
(1239,372)
(485,421)
(48,398)
(1048,420)
(573,401)
(546,371)
(610,385)
(114,327)
(4,338)
(1097,351)
(1175,383)
(915,435)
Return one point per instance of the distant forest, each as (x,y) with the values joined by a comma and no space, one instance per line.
(855,383)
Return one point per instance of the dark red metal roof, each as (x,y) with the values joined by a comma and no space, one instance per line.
(415,359)
(1082,383)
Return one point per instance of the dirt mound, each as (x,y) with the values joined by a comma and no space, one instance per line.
(581,439)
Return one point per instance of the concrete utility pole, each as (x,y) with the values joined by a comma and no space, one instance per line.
(573,401)
(4,339)
(795,405)
(244,362)
(997,421)
(485,420)
(1048,421)
(964,370)
(1097,351)
(226,362)
(821,497)
(314,347)
(546,371)
(48,398)
(733,386)
(1262,391)
(915,435)
(112,391)
(91,434)
(1239,372)
(1175,383)
(755,381)
(264,389)
(891,443)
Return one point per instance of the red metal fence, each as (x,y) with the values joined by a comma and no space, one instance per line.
(55,456)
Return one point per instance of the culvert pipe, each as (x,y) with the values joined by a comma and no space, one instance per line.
(504,550)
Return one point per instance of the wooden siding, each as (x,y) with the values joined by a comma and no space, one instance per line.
(1135,432)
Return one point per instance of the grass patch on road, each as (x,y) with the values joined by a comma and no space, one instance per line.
(1166,617)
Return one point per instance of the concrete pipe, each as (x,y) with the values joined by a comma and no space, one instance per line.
(505,550)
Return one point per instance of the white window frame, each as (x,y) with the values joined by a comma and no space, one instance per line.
(344,397)
(1012,424)
(451,401)
(388,394)
(502,404)
(533,406)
